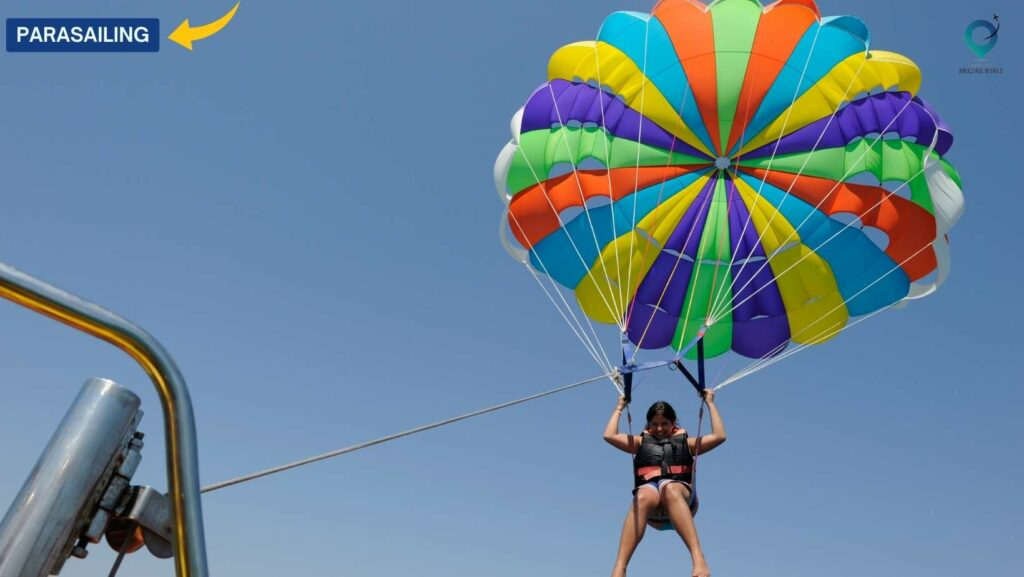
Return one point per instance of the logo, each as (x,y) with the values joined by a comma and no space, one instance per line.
(981,36)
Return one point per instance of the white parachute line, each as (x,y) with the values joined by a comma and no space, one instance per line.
(765,357)
(613,306)
(695,281)
(721,295)
(820,337)
(825,198)
(626,296)
(660,220)
(661,192)
(725,361)
(544,190)
(636,172)
(814,251)
(891,270)
(591,347)
(581,333)
(823,335)
(714,282)
(697,264)
(547,197)
(675,266)
(786,195)
(785,123)
(814,340)
(608,173)
(584,339)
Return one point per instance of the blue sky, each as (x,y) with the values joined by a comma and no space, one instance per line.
(302,212)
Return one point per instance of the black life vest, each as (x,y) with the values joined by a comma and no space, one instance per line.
(667,458)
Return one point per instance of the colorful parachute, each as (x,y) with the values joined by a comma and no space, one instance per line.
(751,173)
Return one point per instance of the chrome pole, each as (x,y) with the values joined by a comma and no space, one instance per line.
(179,421)
(43,524)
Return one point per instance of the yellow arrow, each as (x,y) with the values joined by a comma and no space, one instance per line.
(186,34)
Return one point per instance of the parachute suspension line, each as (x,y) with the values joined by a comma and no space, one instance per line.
(696,273)
(789,112)
(593,347)
(554,211)
(822,335)
(713,296)
(823,199)
(572,242)
(630,293)
(818,205)
(786,195)
(816,338)
(721,368)
(661,219)
(636,172)
(584,339)
(613,307)
(884,198)
(392,437)
(624,292)
(608,170)
(716,296)
(735,166)
(695,282)
(785,123)
(750,214)
(672,274)
(627,294)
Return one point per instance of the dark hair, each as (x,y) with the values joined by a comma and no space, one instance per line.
(661,408)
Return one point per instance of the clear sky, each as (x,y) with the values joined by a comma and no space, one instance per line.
(302,211)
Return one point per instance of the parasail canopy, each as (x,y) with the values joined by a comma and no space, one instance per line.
(756,174)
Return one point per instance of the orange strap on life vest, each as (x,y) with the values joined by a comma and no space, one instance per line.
(648,473)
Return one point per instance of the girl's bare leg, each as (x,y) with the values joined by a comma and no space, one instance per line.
(633,527)
(676,497)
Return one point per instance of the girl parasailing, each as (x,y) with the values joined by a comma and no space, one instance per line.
(663,466)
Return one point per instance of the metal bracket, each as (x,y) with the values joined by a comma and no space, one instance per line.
(145,519)
(179,421)
(113,499)
(77,483)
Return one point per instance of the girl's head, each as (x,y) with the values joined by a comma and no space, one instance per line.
(661,419)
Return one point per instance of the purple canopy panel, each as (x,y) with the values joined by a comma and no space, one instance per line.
(887,111)
(755,284)
(945,141)
(760,338)
(583,103)
(655,310)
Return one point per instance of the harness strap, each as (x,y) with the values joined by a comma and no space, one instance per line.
(648,473)
(697,384)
